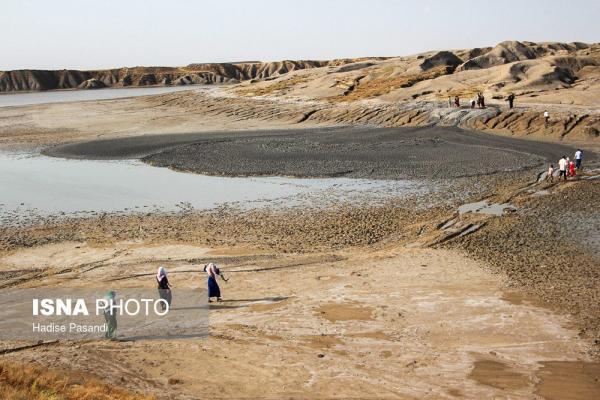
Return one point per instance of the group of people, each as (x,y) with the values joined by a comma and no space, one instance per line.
(478,100)
(164,292)
(211,270)
(566,167)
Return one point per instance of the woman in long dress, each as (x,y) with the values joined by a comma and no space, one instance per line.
(213,287)
(164,287)
(572,172)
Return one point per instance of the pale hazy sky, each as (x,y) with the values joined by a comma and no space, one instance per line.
(55,34)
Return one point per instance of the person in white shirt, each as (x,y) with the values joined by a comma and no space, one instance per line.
(562,168)
(578,158)
(546,118)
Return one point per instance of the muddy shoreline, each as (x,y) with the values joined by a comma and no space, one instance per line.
(383,153)
(546,247)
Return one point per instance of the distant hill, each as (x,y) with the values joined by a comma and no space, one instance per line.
(27,80)
(567,73)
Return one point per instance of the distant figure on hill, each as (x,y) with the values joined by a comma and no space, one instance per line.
(546,118)
(511,100)
(449,101)
(456,101)
(550,176)
(472,103)
(482,100)
(164,288)
(562,168)
(578,158)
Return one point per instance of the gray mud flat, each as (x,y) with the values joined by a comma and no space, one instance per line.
(382,153)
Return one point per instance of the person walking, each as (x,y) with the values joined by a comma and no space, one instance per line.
(511,100)
(472,103)
(578,158)
(482,100)
(110,316)
(562,168)
(550,175)
(546,118)
(213,287)
(164,288)
(449,101)
(572,173)
(456,102)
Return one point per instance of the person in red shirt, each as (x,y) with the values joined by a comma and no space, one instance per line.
(572,169)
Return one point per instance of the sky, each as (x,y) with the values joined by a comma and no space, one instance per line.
(57,34)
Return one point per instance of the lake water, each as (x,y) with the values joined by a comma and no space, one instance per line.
(61,96)
(35,185)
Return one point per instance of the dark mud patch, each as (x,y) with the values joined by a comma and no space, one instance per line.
(437,153)
(569,380)
(345,312)
(498,375)
(519,298)
(372,153)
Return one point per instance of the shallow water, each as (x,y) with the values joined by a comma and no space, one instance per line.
(40,185)
(483,207)
(61,96)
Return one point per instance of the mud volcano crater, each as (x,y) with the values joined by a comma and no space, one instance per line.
(382,153)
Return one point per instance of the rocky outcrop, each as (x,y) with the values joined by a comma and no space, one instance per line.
(445,59)
(91,84)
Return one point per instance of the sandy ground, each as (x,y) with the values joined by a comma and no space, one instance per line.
(391,323)
(338,317)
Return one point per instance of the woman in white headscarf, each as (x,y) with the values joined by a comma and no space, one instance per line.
(164,287)
(213,287)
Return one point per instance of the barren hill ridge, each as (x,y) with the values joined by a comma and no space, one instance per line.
(27,80)
(565,73)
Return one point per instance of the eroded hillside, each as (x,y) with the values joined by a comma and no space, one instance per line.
(26,80)
(557,73)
